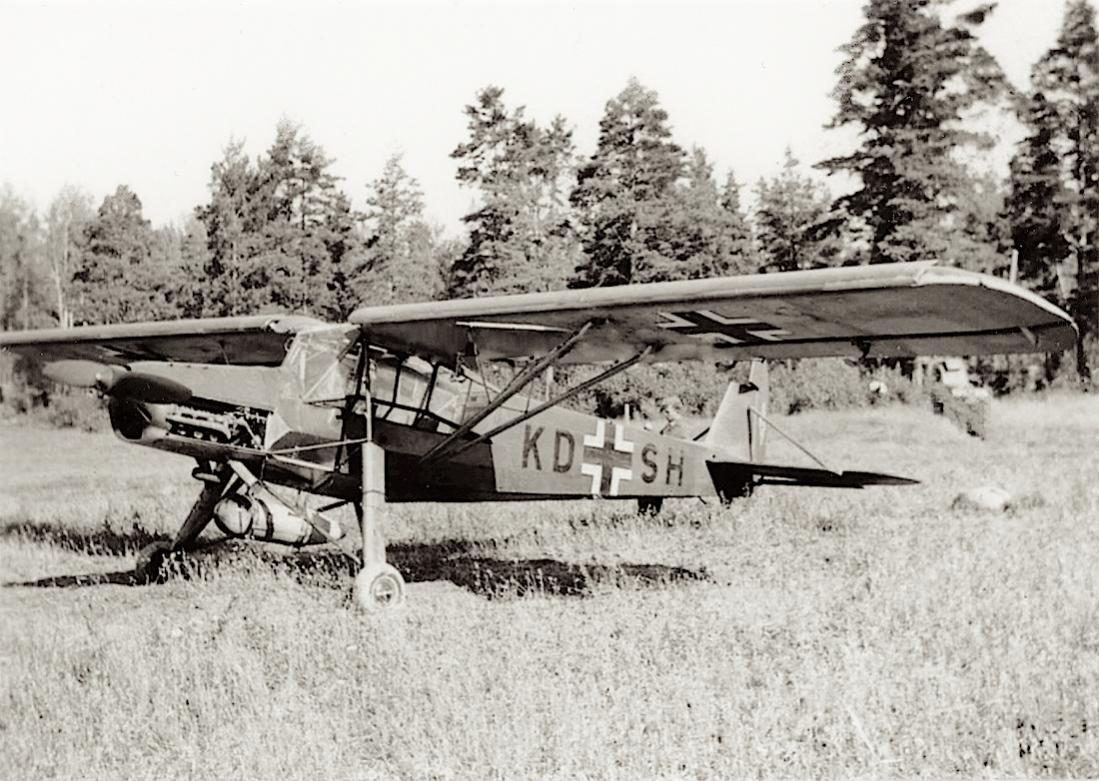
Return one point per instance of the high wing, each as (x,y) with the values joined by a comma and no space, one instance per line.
(258,340)
(902,309)
(899,309)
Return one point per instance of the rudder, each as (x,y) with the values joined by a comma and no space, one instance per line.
(739,424)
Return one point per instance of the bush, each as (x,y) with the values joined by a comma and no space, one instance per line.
(63,408)
(1004,374)
(26,393)
(835,383)
(820,383)
(697,386)
(796,386)
(76,409)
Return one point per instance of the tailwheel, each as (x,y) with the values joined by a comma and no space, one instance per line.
(378,586)
(150,561)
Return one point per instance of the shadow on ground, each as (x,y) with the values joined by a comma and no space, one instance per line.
(103,541)
(462,562)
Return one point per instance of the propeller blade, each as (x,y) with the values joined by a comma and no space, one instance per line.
(82,374)
(117,382)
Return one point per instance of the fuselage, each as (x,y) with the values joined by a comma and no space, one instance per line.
(286,424)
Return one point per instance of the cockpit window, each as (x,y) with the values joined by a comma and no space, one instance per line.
(400,389)
(321,363)
(320,368)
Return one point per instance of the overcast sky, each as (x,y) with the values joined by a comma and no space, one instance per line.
(148,94)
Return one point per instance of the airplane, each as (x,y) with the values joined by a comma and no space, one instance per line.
(394,405)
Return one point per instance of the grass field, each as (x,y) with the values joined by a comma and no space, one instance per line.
(801,632)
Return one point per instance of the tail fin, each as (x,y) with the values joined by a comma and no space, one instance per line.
(735,426)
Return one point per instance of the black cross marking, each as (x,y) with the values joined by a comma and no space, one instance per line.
(607,457)
(739,330)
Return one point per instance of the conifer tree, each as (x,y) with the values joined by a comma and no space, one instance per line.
(703,232)
(792,223)
(231,220)
(278,231)
(739,230)
(623,193)
(906,84)
(1067,78)
(396,261)
(1035,206)
(117,280)
(519,236)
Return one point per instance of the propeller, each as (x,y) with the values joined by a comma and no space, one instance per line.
(117,382)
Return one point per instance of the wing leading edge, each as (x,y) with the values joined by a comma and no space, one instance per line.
(889,310)
(258,340)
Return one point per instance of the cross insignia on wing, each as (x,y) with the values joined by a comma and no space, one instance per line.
(730,330)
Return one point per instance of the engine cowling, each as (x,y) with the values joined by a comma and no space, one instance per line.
(260,515)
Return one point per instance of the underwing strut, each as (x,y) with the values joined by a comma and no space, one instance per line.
(517,384)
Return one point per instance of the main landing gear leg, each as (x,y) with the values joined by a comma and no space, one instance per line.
(151,558)
(378,584)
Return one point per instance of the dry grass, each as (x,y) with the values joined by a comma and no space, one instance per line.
(800,633)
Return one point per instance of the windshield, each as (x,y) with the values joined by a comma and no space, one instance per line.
(320,363)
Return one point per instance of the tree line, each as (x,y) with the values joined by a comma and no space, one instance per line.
(278,232)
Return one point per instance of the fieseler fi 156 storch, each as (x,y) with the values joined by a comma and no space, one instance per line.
(393,405)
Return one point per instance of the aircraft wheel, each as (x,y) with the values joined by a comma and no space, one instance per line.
(650,505)
(150,561)
(378,586)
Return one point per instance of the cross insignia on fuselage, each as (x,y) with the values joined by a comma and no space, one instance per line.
(730,330)
(607,463)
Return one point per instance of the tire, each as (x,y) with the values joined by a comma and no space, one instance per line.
(378,587)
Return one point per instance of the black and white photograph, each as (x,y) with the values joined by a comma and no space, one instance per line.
(549,389)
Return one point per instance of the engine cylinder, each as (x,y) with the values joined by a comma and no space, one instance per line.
(259,515)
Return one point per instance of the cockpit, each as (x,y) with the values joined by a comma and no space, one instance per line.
(322,365)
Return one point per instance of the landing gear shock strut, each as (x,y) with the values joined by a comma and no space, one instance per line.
(378,584)
(151,558)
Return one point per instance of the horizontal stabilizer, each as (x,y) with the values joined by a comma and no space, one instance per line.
(734,478)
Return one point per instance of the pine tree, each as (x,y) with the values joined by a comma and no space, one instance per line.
(703,232)
(1067,77)
(278,231)
(116,280)
(396,261)
(906,84)
(623,193)
(1035,206)
(519,237)
(231,221)
(792,222)
(739,230)
(309,226)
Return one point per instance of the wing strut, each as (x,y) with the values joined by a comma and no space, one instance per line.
(517,384)
(621,366)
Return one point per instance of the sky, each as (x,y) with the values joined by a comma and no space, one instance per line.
(149,94)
